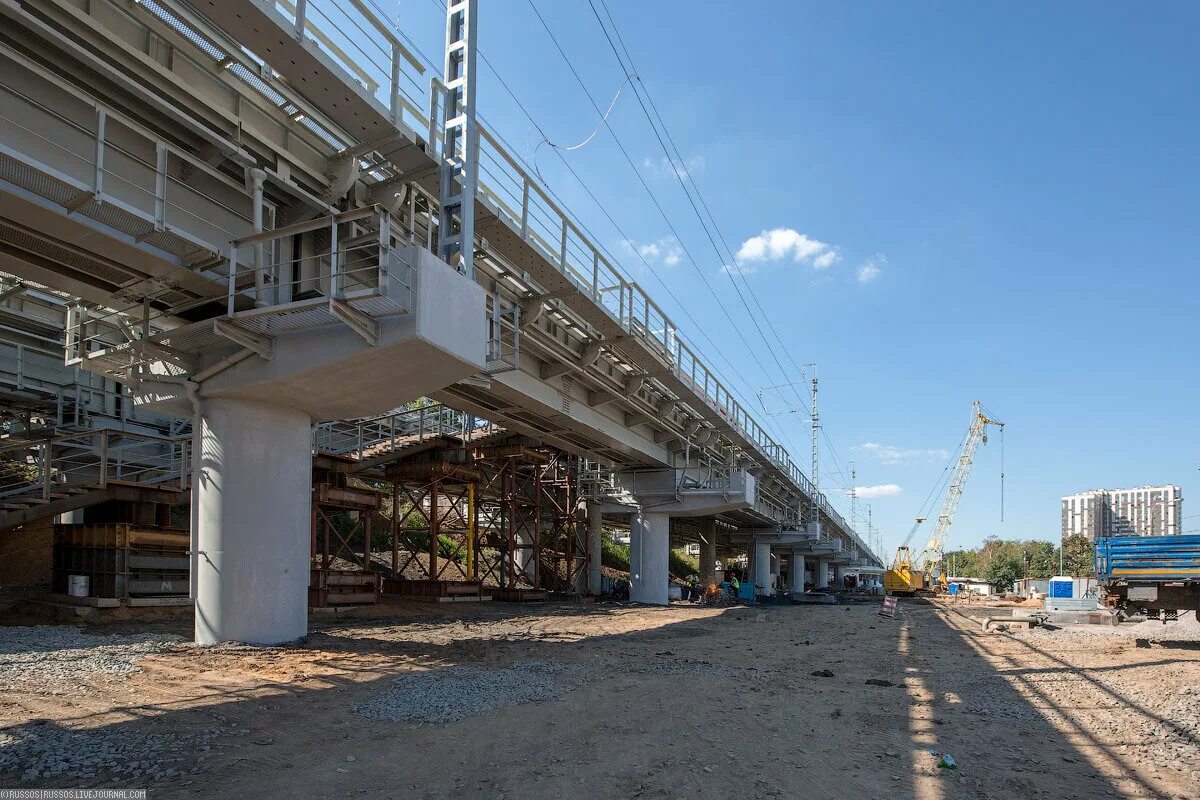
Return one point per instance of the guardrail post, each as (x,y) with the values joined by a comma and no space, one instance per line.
(525,207)
(301,8)
(101,125)
(46,470)
(395,97)
(183,462)
(103,459)
(232,277)
(335,269)
(83,334)
(160,186)
(562,252)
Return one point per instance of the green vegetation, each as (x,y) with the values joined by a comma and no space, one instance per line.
(1002,571)
(15,473)
(682,565)
(1002,561)
(613,555)
(616,556)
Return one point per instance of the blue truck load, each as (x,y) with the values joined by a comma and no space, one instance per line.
(1148,558)
(1149,574)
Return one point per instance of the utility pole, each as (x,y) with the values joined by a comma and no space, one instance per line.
(816,464)
(870,525)
(854,498)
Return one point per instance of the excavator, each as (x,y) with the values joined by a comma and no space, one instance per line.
(902,579)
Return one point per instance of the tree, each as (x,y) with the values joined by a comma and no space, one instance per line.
(1079,556)
(1043,560)
(1002,570)
(963,563)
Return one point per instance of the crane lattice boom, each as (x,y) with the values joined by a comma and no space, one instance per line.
(934,549)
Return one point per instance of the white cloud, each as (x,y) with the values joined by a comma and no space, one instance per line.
(827,259)
(692,166)
(892,455)
(665,251)
(739,269)
(869,270)
(881,490)
(780,243)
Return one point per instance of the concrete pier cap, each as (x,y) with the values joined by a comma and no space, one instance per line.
(252,434)
(684,493)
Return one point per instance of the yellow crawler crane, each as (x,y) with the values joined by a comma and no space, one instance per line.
(902,578)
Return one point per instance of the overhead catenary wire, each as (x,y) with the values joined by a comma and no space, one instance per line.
(657,204)
(569,148)
(641,179)
(604,210)
(675,156)
(777,431)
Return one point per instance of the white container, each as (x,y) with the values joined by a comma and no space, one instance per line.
(674,592)
(78,585)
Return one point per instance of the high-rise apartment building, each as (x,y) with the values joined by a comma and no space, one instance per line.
(1144,511)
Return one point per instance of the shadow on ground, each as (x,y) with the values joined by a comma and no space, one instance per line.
(760,724)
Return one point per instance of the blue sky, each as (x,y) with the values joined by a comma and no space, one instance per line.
(970,202)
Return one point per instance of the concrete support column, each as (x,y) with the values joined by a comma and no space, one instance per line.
(649,551)
(253,491)
(796,572)
(595,528)
(839,575)
(524,558)
(821,576)
(762,567)
(708,552)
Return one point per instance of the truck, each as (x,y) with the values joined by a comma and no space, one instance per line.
(1158,576)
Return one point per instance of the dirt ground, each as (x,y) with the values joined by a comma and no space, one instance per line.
(1070,716)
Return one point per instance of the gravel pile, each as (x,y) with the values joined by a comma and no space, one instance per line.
(679,668)
(454,693)
(446,695)
(43,750)
(52,654)
(1184,629)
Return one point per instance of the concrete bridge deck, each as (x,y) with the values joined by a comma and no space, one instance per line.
(243,204)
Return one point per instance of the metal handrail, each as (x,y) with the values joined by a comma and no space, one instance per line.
(358,436)
(97,458)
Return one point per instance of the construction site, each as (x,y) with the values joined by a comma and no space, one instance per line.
(339,458)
